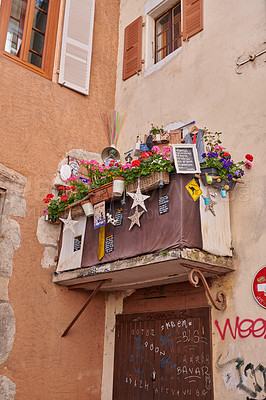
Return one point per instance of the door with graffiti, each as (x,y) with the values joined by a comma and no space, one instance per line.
(163,355)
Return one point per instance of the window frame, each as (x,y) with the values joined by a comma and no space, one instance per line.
(50,36)
(170,31)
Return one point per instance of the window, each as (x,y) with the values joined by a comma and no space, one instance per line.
(168,32)
(28,33)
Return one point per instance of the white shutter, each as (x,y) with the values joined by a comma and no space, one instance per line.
(75,61)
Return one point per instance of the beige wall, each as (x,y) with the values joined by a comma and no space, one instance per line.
(200,83)
(39,123)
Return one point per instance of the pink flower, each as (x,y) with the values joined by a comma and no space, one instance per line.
(126,166)
(45,211)
(101,169)
(167,150)
(248,164)
(156,149)
(217,147)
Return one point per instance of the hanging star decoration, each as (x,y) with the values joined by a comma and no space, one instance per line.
(210,206)
(138,199)
(135,217)
(69,223)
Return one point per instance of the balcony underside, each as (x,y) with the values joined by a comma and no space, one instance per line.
(147,270)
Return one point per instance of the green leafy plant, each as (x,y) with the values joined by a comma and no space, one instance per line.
(156,129)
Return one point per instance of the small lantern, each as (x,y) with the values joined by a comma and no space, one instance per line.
(223,192)
(209,179)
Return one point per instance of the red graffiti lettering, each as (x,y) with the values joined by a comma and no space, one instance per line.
(243,328)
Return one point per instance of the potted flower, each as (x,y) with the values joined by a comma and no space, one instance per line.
(159,135)
(218,168)
(152,167)
(67,196)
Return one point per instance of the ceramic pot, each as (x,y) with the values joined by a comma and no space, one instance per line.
(87,208)
(118,186)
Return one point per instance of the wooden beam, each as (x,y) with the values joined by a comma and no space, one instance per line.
(93,294)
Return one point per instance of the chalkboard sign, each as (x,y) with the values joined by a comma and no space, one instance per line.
(119,217)
(109,244)
(186,158)
(77,243)
(164,204)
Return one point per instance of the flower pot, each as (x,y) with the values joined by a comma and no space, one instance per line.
(118,186)
(149,183)
(87,208)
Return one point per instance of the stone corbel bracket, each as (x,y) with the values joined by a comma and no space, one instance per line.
(220,303)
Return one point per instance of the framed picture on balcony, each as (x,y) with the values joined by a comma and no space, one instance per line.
(186,158)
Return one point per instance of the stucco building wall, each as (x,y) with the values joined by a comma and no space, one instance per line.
(200,83)
(40,123)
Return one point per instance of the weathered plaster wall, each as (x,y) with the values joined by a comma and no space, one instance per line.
(200,83)
(40,122)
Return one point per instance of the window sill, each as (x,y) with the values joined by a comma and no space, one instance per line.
(26,65)
(161,63)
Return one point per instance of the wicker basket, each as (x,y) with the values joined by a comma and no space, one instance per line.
(76,210)
(149,183)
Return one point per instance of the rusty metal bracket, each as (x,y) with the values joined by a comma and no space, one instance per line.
(250,58)
(194,276)
(93,294)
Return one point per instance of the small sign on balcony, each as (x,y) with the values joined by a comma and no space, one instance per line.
(109,244)
(119,217)
(164,204)
(99,215)
(186,158)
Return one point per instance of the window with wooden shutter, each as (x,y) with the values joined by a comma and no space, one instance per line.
(132,49)
(76,48)
(192,17)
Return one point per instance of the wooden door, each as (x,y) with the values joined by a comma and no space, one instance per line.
(163,355)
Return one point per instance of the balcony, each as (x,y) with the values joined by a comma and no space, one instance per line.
(169,243)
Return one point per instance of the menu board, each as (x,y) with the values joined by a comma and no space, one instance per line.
(164,204)
(186,158)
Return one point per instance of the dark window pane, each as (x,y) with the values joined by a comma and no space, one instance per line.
(39,20)
(17,8)
(35,59)
(162,23)
(43,4)
(163,53)
(36,41)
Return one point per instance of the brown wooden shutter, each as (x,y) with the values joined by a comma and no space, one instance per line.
(132,48)
(192,17)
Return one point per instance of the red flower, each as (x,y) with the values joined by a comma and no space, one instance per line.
(61,188)
(72,187)
(135,163)
(249,157)
(64,198)
(49,196)
(46,200)
(226,154)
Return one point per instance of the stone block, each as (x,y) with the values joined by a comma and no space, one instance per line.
(3,288)
(49,255)
(48,234)
(7,388)
(7,331)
